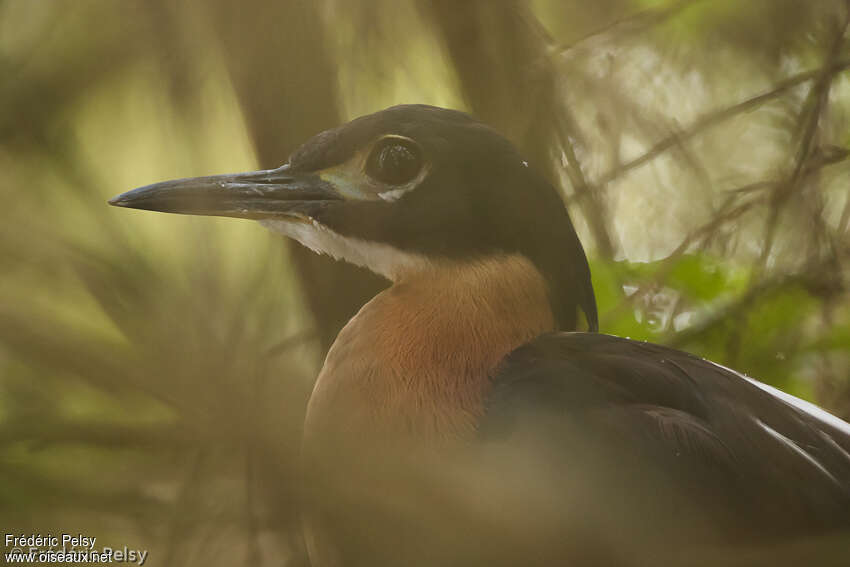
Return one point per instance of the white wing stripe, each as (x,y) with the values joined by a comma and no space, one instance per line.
(802,405)
(796,448)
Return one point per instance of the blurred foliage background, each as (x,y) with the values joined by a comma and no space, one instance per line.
(154,369)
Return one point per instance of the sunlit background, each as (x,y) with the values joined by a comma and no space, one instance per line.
(154,369)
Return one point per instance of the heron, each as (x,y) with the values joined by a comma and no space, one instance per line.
(488,337)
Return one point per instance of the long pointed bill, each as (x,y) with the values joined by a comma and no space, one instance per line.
(267,194)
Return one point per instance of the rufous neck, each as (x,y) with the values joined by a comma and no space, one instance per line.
(418,358)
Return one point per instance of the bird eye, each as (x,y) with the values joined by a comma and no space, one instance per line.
(394,161)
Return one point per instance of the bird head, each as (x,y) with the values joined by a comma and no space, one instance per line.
(403,190)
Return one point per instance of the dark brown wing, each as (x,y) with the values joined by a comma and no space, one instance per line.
(664,438)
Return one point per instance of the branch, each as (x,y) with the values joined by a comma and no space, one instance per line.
(719,116)
(817,102)
(502,54)
(727,213)
(633,23)
(594,209)
(740,305)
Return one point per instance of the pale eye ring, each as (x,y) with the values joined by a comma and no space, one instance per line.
(394,161)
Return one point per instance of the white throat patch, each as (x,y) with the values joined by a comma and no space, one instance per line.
(383,259)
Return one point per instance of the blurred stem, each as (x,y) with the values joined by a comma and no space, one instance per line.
(809,120)
(635,23)
(728,212)
(844,222)
(286,99)
(501,53)
(718,116)
(184,517)
(38,94)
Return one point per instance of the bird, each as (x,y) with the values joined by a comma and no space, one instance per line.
(556,443)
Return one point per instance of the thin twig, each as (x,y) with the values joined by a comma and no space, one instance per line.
(564,131)
(593,209)
(719,116)
(739,305)
(727,213)
(816,104)
(632,23)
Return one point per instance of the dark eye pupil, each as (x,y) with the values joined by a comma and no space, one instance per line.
(394,161)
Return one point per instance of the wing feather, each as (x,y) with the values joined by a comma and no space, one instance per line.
(715,440)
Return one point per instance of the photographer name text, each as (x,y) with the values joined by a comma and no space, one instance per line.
(67,548)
